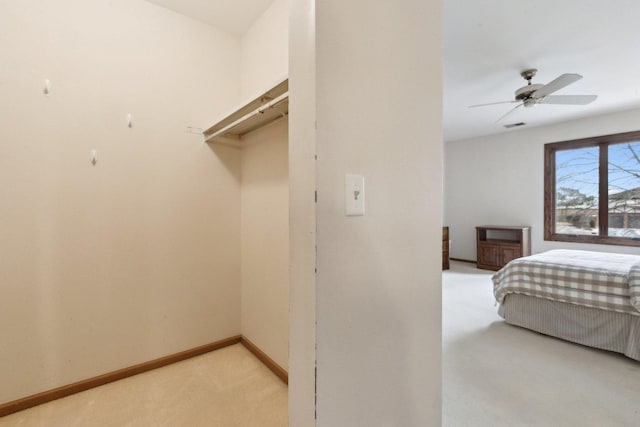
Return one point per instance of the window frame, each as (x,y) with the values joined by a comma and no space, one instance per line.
(602,142)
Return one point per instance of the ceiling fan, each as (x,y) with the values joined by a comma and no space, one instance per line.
(533,94)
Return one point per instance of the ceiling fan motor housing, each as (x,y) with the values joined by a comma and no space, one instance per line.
(525,92)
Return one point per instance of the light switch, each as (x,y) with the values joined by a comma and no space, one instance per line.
(354,195)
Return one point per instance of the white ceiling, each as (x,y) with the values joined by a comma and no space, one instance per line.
(488,43)
(232,16)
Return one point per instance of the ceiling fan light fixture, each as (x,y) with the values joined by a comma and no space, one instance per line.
(532,94)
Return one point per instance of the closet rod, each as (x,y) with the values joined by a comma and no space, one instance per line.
(274,102)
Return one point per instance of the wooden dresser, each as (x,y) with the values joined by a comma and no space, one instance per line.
(445,248)
(499,244)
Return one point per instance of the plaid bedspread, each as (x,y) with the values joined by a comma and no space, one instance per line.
(592,279)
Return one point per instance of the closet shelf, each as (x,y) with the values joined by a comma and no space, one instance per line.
(266,108)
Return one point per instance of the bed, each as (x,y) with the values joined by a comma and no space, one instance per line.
(590,298)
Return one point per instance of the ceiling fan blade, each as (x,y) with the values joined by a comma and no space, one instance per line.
(509,112)
(568,99)
(557,84)
(492,103)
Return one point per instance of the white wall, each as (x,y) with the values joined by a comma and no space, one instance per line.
(265,51)
(137,257)
(265,240)
(302,214)
(499,180)
(379,83)
(265,191)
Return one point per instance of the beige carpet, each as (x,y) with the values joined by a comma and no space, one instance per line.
(495,374)
(227,388)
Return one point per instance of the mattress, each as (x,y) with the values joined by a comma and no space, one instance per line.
(591,279)
(589,298)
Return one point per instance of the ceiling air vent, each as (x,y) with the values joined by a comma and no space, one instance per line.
(515,125)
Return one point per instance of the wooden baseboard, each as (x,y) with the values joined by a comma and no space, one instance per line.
(463,260)
(268,362)
(67,390)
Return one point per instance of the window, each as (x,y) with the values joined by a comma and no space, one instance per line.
(592,190)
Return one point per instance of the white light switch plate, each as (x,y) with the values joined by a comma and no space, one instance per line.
(354,195)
